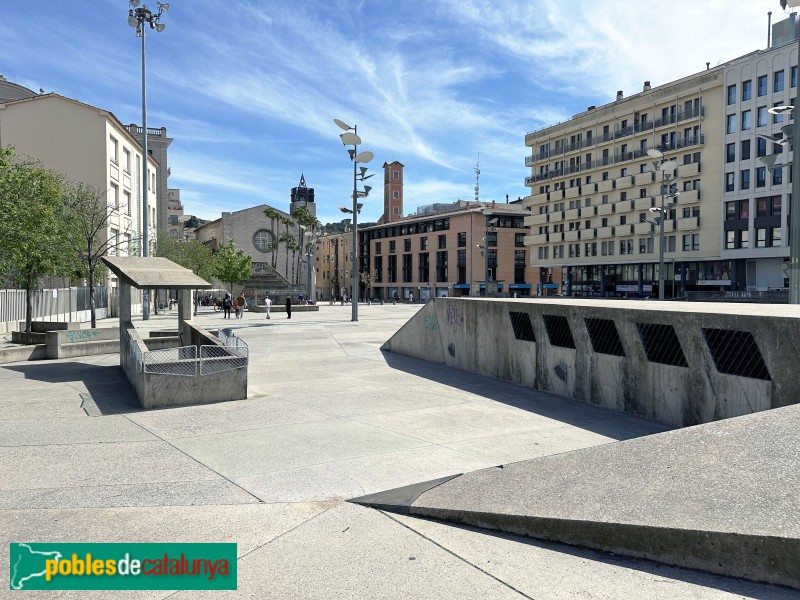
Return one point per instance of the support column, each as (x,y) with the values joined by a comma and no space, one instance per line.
(641,278)
(184,315)
(124,317)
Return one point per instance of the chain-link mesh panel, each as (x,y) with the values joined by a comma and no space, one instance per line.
(521,324)
(135,354)
(172,361)
(558,331)
(661,344)
(736,353)
(604,336)
(215,359)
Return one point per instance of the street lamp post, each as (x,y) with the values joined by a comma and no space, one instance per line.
(139,17)
(666,167)
(352,139)
(794,209)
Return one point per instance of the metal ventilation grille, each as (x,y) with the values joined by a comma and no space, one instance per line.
(661,344)
(558,331)
(604,336)
(523,329)
(736,353)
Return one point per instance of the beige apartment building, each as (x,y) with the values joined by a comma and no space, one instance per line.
(88,145)
(592,185)
(334,256)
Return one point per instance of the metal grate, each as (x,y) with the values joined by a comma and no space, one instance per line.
(172,361)
(561,371)
(661,344)
(521,324)
(215,359)
(558,331)
(604,336)
(736,353)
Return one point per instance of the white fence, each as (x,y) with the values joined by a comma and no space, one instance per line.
(55,304)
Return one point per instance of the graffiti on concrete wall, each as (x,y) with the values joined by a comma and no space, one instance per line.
(431,323)
(455,318)
(84,335)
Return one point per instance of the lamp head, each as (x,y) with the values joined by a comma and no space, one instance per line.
(367,189)
(342,125)
(134,3)
(654,153)
(780,110)
(163,7)
(160,27)
(132,20)
(350,139)
(364,157)
(769,160)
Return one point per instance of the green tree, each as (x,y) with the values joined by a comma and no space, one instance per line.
(190,254)
(308,224)
(231,265)
(34,235)
(287,238)
(274,216)
(294,247)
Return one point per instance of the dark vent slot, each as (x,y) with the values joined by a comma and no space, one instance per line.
(736,353)
(558,331)
(661,344)
(523,329)
(604,336)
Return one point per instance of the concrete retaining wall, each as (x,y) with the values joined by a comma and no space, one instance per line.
(677,363)
(82,342)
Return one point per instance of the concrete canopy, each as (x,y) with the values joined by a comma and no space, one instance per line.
(154,272)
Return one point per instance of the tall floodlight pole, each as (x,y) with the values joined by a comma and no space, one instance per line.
(794,207)
(139,17)
(666,167)
(352,139)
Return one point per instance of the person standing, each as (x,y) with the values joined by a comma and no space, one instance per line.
(241,301)
(268,303)
(236,308)
(288,307)
(226,307)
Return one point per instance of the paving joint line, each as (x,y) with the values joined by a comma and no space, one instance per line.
(451,553)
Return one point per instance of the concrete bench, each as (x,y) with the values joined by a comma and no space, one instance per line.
(82,342)
(39,329)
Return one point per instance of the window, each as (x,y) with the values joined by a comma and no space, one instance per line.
(776,236)
(127,199)
(395,210)
(423,245)
(761,116)
(392,246)
(793,77)
(777,81)
(732,94)
(746,119)
(519,240)
(623,172)
(112,149)
(442,244)
(745,150)
(126,160)
(730,124)
(747,90)
(395,195)
(262,239)
(406,245)
(761,83)
(395,175)
(761,148)
(377,247)
(462,239)
(729,182)
(744,179)
(777,176)
(777,118)
(730,152)
(761,238)
(761,177)
(491,238)
(115,195)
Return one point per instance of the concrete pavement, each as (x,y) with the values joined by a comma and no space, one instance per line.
(329,417)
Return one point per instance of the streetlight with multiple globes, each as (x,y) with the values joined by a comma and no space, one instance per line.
(667,168)
(350,138)
(139,17)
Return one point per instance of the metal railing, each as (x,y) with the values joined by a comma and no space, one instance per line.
(172,361)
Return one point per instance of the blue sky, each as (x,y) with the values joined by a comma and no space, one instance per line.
(249,89)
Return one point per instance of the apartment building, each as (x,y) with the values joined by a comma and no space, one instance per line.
(89,145)
(756,196)
(592,185)
(157,147)
(334,259)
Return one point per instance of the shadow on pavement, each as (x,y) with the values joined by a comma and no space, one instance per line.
(109,391)
(603,421)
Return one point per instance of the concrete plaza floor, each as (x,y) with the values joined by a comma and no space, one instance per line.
(329,417)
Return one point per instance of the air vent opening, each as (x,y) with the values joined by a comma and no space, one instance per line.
(604,337)
(661,344)
(736,353)
(522,326)
(558,331)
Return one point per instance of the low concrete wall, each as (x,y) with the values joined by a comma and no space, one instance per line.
(281,308)
(659,360)
(82,342)
(45,326)
(162,342)
(23,353)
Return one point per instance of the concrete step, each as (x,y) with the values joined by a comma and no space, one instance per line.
(721,497)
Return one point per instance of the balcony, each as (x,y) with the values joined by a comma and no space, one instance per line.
(643,203)
(624,182)
(573,213)
(605,232)
(605,209)
(689,170)
(688,224)
(536,240)
(640,228)
(572,192)
(689,197)
(605,186)
(572,236)
(535,220)
(643,178)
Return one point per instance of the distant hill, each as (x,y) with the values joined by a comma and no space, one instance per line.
(332,228)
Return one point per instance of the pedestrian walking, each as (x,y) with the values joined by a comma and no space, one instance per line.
(268,303)
(241,301)
(226,307)
(288,307)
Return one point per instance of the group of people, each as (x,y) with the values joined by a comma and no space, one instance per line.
(236,304)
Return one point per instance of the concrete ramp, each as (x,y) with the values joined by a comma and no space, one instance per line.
(722,497)
(419,336)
